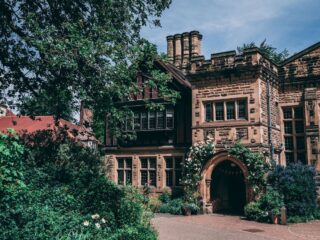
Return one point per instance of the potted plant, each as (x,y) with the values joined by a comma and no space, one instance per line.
(272,201)
(190,208)
(275,215)
(186,211)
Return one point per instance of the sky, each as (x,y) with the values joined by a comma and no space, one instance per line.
(226,24)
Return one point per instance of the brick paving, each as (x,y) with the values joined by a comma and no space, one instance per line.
(225,227)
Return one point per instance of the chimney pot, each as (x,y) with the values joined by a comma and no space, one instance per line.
(177,50)
(181,48)
(170,48)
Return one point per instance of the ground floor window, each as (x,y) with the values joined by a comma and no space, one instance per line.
(124,171)
(173,171)
(148,171)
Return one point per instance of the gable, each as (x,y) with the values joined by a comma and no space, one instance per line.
(305,64)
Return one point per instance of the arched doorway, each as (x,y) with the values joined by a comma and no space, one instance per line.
(224,186)
(228,191)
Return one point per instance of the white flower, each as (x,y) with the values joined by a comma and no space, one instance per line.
(98,225)
(95,216)
(86,223)
(103,220)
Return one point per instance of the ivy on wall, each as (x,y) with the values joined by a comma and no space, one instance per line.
(198,155)
(201,152)
(256,165)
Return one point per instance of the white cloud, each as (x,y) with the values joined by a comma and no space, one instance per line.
(226,24)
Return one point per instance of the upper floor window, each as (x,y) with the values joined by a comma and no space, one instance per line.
(231,110)
(242,109)
(144,120)
(209,112)
(148,120)
(294,134)
(124,171)
(169,118)
(219,111)
(226,110)
(152,119)
(160,119)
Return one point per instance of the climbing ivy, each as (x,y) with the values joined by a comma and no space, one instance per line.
(198,155)
(256,165)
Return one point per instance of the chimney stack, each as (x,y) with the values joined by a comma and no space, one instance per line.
(181,48)
(86,117)
(177,50)
(170,48)
(186,49)
(196,39)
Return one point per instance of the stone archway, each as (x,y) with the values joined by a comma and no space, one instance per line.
(207,181)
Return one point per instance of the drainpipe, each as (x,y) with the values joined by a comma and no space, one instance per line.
(270,121)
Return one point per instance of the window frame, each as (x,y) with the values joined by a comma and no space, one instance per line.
(148,169)
(223,107)
(289,115)
(142,120)
(174,169)
(125,169)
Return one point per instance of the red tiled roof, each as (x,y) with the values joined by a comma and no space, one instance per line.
(9,113)
(22,124)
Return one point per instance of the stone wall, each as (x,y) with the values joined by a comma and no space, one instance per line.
(147,152)
(305,66)
(229,84)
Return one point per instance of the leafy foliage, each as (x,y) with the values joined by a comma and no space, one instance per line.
(64,190)
(292,181)
(256,164)
(254,212)
(55,54)
(174,206)
(269,204)
(271,201)
(288,188)
(199,153)
(268,50)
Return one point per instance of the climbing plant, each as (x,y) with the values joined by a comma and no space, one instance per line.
(199,153)
(256,165)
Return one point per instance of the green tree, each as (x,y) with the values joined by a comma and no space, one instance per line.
(268,50)
(53,54)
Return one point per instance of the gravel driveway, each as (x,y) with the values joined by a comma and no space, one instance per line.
(224,227)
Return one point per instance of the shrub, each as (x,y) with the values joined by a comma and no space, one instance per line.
(193,207)
(56,187)
(296,183)
(165,197)
(135,233)
(178,206)
(175,207)
(155,204)
(271,201)
(254,212)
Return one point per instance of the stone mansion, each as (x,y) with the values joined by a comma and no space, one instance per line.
(270,108)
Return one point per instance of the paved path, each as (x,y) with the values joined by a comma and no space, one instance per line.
(222,227)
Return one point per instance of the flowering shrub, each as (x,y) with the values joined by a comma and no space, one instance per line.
(199,153)
(296,182)
(256,165)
